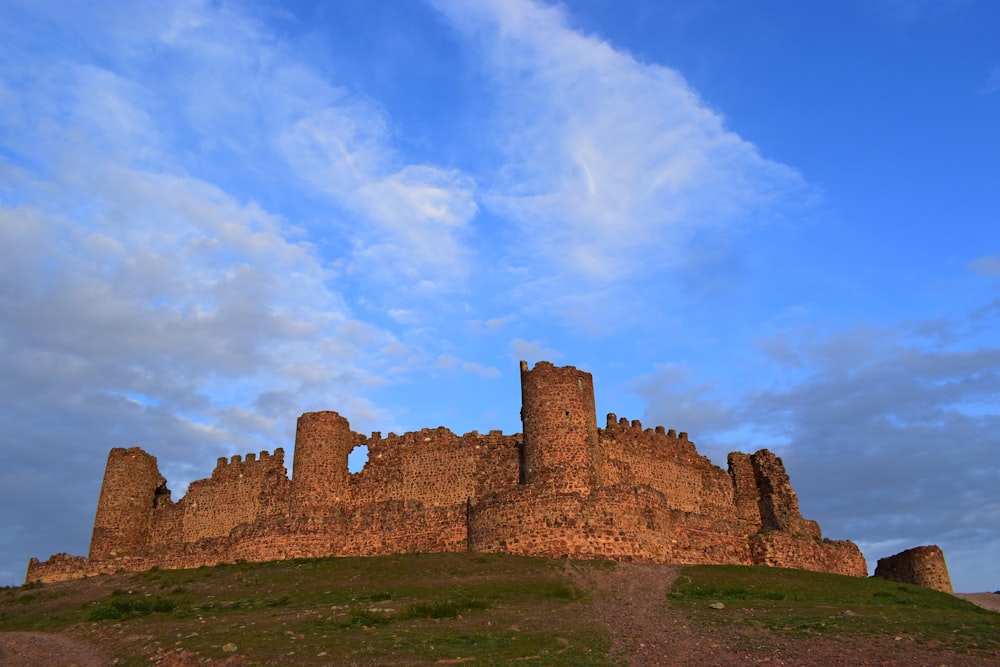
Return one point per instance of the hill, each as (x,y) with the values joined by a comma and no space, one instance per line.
(491,609)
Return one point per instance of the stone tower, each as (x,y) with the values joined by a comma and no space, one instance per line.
(131,489)
(560,428)
(323,441)
(921,566)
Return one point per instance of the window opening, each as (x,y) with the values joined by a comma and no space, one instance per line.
(357,459)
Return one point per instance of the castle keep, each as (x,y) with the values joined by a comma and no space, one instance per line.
(562,488)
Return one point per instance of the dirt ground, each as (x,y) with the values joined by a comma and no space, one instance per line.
(630,597)
(629,600)
(34,649)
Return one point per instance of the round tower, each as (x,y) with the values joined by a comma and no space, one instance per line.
(560,428)
(129,493)
(319,472)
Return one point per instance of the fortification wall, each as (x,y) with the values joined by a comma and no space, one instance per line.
(667,462)
(746,495)
(700,539)
(621,522)
(779,506)
(922,566)
(562,489)
(777,549)
(434,467)
(239,491)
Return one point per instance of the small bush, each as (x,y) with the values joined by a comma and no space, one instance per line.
(116,609)
(283,601)
(449,608)
(366,617)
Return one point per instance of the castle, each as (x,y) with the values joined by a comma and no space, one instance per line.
(562,488)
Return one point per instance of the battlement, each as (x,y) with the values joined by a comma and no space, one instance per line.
(561,488)
(616,425)
(239,463)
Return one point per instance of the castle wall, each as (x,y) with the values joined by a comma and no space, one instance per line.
(562,489)
(434,467)
(239,491)
(666,462)
(701,539)
(746,495)
(777,549)
(922,566)
(622,522)
(779,506)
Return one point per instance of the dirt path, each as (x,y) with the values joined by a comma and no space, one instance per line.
(32,649)
(630,600)
(989,601)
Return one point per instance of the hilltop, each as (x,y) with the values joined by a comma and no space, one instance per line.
(498,609)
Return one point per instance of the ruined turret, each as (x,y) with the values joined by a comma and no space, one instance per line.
(130,492)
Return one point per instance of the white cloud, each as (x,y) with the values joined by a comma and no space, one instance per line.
(448,362)
(493,324)
(532,351)
(888,442)
(142,304)
(479,369)
(609,163)
(992,83)
(986,266)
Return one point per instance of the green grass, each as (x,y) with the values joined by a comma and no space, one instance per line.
(804,604)
(496,609)
(406,609)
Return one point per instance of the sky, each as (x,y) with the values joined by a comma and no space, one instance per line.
(770,224)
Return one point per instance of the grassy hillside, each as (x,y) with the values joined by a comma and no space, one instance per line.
(809,604)
(449,608)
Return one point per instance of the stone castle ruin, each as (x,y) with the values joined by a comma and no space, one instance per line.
(562,488)
(923,566)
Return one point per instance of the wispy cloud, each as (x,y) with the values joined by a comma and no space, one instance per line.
(144,297)
(532,351)
(875,412)
(609,164)
(988,265)
(992,83)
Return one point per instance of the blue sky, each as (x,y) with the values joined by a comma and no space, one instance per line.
(767,224)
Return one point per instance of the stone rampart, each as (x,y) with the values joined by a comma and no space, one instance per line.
(565,488)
